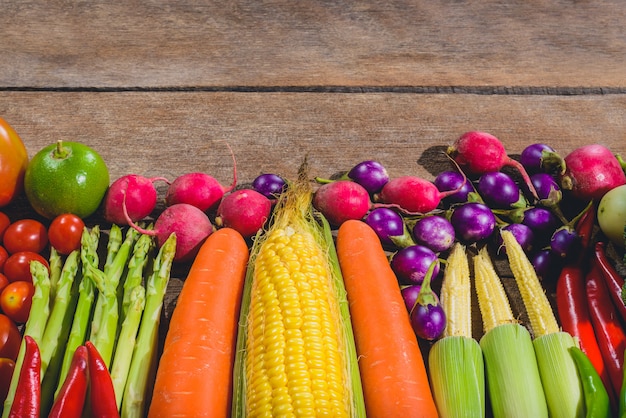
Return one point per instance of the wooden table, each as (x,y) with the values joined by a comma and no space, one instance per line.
(158,87)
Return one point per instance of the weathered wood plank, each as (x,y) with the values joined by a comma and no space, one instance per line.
(167,134)
(545,44)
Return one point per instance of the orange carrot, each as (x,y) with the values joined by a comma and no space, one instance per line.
(395,383)
(194,377)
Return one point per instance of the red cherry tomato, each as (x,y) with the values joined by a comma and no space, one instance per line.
(16,299)
(3,257)
(3,282)
(17,266)
(6,372)
(64,233)
(4,224)
(25,235)
(10,338)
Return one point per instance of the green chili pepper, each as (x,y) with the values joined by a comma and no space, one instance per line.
(622,395)
(596,397)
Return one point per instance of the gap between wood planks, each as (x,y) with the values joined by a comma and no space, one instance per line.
(477,90)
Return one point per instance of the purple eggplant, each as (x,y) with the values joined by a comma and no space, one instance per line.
(410,264)
(428,318)
(434,232)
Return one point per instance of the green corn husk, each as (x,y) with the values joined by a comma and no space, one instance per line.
(560,376)
(513,379)
(458,377)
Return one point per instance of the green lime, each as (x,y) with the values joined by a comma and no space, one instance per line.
(66,177)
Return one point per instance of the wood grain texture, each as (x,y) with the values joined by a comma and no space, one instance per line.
(532,45)
(168,134)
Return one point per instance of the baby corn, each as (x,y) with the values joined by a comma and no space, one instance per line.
(513,380)
(456,360)
(557,369)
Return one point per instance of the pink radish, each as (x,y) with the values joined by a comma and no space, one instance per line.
(341,200)
(199,189)
(191,226)
(591,171)
(480,152)
(413,194)
(135,192)
(244,210)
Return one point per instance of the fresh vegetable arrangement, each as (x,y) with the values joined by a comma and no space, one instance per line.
(352,292)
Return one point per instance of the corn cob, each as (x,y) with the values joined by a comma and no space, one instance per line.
(297,355)
(513,380)
(557,368)
(456,360)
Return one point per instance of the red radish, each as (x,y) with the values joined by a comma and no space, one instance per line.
(191,226)
(199,189)
(480,152)
(591,171)
(413,194)
(135,192)
(341,200)
(245,211)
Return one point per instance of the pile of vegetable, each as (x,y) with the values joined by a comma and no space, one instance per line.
(100,313)
(350,294)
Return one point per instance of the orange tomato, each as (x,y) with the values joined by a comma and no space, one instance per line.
(13,163)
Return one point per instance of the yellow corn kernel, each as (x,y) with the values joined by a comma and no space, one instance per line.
(295,364)
(541,317)
(492,300)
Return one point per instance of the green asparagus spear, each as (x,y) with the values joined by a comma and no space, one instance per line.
(36,324)
(113,246)
(55,261)
(126,341)
(61,304)
(133,401)
(113,270)
(58,328)
(136,266)
(109,314)
(86,295)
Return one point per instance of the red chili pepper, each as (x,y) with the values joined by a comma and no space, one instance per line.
(102,396)
(573,311)
(70,401)
(611,277)
(27,399)
(571,301)
(609,333)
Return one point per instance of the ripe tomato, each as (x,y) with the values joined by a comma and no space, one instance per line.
(25,235)
(64,233)
(13,163)
(4,224)
(3,282)
(10,338)
(16,299)
(3,257)
(17,266)
(6,372)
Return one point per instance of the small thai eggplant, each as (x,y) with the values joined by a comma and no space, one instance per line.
(427,316)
